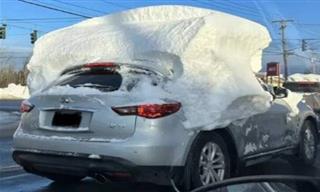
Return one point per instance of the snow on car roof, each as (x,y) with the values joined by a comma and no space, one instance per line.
(209,55)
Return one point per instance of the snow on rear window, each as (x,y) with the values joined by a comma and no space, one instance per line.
(102,80)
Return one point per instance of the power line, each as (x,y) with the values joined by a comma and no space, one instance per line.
(237,5)
(227,8)
(55,9)
(310,24)
(22,27)
(78,6)
(304,57)
(40,19)
(43,2)
(272,52)
(314,39)
(115,4)
(13,57)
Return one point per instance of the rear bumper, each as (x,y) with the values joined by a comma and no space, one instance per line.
(142,150)
(80,165)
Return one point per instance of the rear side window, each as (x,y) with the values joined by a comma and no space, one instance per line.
(105,81)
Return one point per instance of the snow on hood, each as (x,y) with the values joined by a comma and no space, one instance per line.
(210,55)
(14,91)
(304,77)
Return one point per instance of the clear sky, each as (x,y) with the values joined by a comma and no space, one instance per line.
(22,18)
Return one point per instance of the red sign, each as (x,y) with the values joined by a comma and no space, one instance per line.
(273,69)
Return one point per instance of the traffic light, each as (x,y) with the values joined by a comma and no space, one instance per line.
(33,36)
(304,45)
(3,31)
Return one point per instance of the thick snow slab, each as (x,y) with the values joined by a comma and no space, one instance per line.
(14,91)
(211,57)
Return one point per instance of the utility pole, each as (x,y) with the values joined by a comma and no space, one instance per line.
(285,53)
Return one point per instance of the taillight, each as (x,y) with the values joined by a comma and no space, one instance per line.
(101,64)
(26,106)
(150,111)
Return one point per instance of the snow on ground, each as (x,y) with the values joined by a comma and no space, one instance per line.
(304,77)
(210,61)
(14,91)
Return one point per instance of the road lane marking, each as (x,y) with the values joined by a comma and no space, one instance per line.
(10,168)
(14,177)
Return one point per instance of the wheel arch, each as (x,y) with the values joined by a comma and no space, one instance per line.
(233,150)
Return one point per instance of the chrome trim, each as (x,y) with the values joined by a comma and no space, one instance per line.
(65,129)
(67,108)
(268,152)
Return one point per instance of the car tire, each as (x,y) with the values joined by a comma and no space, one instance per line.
(308,143)
(63,178)
(205,170)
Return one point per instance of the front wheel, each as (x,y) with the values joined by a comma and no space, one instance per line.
(210,160)
(308,143)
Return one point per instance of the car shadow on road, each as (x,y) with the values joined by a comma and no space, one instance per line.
(286,165)
(94,186)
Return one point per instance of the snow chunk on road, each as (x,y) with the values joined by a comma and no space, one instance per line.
(304,77)
(14,91)
(209,55)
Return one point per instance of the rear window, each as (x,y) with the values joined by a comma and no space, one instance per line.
(105,81)
(303,87)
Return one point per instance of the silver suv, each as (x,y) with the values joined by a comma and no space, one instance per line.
(66,136)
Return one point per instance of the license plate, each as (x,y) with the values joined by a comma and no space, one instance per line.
(67,119)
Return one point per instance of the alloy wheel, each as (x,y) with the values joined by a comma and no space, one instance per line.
(211,164)
(309,143)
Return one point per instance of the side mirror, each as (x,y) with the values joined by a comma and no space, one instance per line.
(280,92)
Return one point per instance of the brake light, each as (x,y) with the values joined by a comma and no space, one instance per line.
(26,106)
(150,111)
(102,64)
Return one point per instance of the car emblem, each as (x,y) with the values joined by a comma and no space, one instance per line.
(65,100)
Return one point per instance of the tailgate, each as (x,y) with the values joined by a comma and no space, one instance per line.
(87,118)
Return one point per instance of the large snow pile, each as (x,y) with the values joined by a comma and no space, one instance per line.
(14,91)
(209,55)
(304,77)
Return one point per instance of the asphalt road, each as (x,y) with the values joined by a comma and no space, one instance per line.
(13,178)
